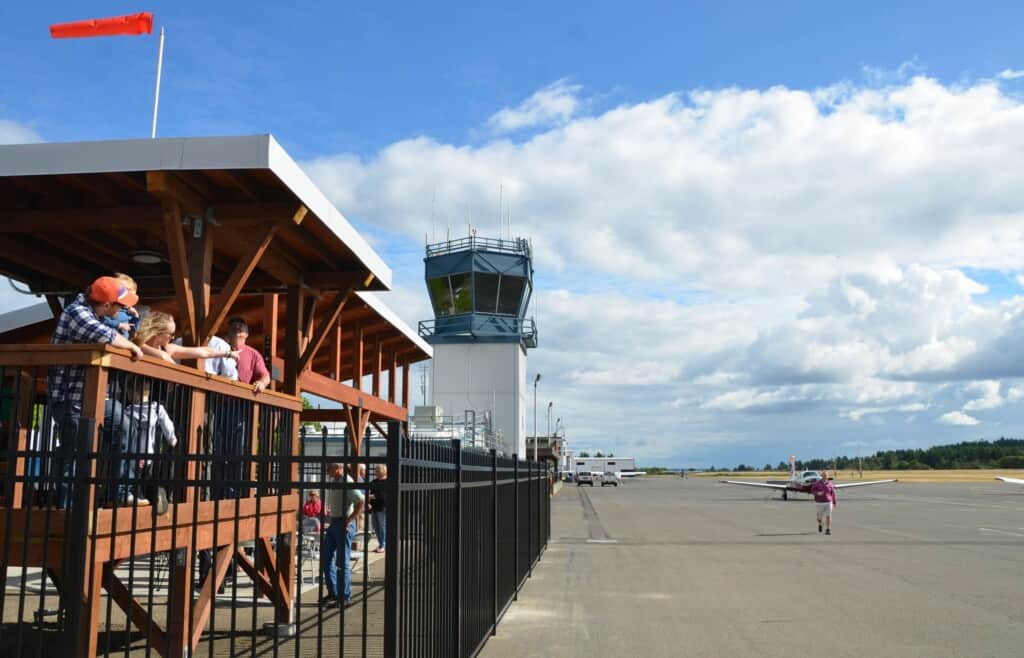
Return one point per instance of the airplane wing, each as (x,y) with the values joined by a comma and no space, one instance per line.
(844,485)
(1010,480)
(767,485)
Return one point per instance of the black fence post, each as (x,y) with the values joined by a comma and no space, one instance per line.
(529,517)
(515,528)
(494,541)
(457,447)
(392,534)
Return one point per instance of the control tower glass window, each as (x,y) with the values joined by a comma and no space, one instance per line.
(487,286)
(511,295)
(462,293)
(440,295)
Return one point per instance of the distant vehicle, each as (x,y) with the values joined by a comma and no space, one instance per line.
(1010,480)
(584,477)
(610,479)
(630,474)
(799,482)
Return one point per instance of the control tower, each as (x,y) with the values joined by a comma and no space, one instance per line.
(480,289)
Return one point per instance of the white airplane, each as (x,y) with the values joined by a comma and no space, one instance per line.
(631,474)
(1010,480)
(800,482)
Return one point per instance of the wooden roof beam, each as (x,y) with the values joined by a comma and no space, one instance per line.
(79,219)
(168,187)
(46,262)
(178,256)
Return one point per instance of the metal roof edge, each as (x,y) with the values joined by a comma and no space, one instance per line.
(164,153)
(306,190)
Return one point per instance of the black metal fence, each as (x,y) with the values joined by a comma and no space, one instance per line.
(223,560)
(471,525)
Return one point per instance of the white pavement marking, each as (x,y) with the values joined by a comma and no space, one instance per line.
(1002,532)
(602,541)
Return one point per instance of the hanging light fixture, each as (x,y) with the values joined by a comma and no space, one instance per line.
(147,257)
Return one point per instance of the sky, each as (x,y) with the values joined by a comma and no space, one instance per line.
(758,230)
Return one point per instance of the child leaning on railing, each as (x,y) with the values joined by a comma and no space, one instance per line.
(147,418)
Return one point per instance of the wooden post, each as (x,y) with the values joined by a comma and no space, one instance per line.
(392,377)
(23,389)
(200,266)
(406,371)
(377,367)
(270,304)
(196,441)
(85,574)
(179,269)
(336,354)
(293,340)
(179,603)
(357,374)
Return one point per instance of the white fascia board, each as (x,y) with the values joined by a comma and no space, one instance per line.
(299,183)
(164,154)
(374,301)
(191,153)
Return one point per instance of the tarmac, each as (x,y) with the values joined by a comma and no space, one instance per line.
(674,567)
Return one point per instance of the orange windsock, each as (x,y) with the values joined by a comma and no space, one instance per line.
(141,23)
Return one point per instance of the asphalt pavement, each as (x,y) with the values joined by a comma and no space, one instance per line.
(673,567)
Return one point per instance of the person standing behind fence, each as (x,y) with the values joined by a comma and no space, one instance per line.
(251,369)
(81,322)
(313,509)
(379,508)
(825,499)
(336,549)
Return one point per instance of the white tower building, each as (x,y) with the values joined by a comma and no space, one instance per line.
(480,289)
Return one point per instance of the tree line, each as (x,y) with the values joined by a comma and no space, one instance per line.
(1001,453)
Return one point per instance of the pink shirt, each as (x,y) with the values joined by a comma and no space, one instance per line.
(824,491)
(251,368)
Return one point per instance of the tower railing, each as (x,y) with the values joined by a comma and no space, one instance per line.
(516,246)
(481,324)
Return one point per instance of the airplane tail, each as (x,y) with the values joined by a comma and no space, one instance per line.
(792,467)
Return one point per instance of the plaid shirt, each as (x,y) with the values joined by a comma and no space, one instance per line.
(77,324)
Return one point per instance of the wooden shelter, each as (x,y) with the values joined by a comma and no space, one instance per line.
(210,228)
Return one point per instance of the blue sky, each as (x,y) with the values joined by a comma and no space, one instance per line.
(341,77)
(761,228)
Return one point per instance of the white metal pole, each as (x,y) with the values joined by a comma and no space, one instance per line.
(537,379)
(156,94)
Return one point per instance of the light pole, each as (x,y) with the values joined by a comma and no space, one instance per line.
(549,420)
(535,381)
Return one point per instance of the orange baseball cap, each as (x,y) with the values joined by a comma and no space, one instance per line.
(107,289)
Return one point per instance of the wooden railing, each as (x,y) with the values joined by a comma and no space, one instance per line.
(229,479)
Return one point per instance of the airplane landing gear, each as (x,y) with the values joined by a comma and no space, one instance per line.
(785,495)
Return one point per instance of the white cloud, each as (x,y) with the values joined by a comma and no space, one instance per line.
(552,105)
(1010,74)
(801,252)
(957,418)
(988,396)
(12,132)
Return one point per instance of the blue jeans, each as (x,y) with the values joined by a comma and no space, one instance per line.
(380,527)
(68,419)
(336,554)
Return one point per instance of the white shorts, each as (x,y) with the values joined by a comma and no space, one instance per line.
(824,509)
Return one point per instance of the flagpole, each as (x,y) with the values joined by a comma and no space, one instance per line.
(156,94)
